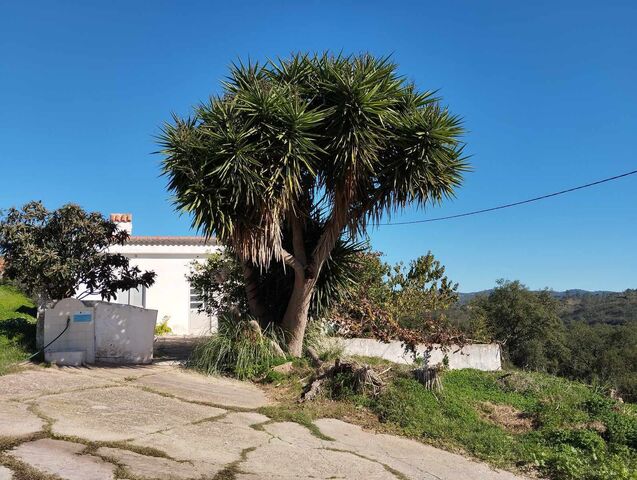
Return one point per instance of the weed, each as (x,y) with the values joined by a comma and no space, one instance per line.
(162,327)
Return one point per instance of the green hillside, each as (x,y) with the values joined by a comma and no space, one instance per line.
(17,328)
(616,308)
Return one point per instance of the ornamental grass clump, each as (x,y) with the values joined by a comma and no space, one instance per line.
(240,348)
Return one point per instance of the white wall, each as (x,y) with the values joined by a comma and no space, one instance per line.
(170,294)
(480,356)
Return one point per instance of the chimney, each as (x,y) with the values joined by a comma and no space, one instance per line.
(124,221)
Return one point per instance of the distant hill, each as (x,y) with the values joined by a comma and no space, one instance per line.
(591,307)
(575,292)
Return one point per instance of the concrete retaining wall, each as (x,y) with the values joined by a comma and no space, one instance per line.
(485,357)
(77,343)
(123,333)
(98,332)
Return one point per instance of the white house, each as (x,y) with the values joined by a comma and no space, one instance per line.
(170,258)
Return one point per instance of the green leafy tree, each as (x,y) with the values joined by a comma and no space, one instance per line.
(312,149)
(399,303)
(421,293)
(220,283)
(603,355)
(526,323)
(51,255)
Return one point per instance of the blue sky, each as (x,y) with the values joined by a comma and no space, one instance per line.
(547,91)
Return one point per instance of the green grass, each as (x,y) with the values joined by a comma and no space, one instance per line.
(574,432)
(544,425)
(17,328)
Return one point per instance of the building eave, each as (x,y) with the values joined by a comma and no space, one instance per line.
(138,240)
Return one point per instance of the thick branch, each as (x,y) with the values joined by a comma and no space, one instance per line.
(298,242)
(254,304)
(332,232)
(335,225)
(291,261)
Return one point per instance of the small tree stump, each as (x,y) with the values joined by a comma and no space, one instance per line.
(364,378)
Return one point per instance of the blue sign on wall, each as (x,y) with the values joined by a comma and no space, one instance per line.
(83,317)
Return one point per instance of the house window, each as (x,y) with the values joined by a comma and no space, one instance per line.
(196,303)
(135,297)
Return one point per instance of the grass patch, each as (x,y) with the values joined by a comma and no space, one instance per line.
(17,328)
(576,433)
(517,420)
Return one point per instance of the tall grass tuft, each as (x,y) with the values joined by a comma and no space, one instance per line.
(240,349)
(317,336)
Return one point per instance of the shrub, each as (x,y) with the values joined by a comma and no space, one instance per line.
(566,462)
(20,331)
(599,405)
(622,430)
(317,336)
(586,440)
(239,348)
(162,327)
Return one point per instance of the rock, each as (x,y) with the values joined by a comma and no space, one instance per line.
(284,368)
(57,457)
(119,413)
(213,390)
(17,421)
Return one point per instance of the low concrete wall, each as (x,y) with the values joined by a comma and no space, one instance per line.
(123,333)
(485,357)
(98,332)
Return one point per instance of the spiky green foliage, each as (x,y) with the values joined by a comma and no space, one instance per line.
(297,154)
(222,285)
(346,133)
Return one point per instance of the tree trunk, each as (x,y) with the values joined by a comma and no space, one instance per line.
(254,304)
(295,318)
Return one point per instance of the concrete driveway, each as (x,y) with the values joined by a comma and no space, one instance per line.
(159,422)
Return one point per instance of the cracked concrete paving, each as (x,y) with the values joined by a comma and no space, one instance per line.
(5,473)
(197,388)
(64,459)
(154,467)
(17,420)
(160,423)
(118,413)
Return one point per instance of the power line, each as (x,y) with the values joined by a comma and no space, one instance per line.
(508,205)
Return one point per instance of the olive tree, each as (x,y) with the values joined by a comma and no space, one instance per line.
(313,148)
(64,253)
